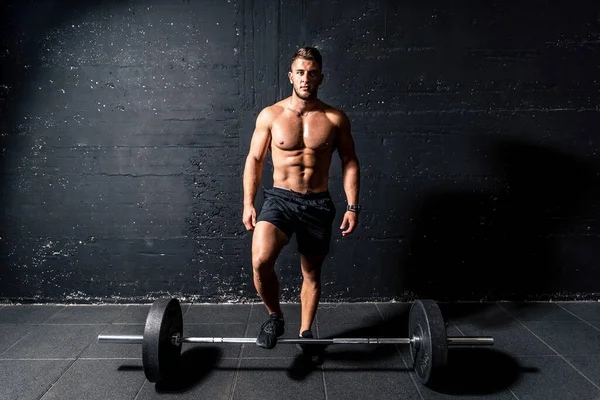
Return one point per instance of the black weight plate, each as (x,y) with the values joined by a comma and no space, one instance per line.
(159,355)
(430,353)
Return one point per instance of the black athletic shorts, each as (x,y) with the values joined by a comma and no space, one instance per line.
(309,215)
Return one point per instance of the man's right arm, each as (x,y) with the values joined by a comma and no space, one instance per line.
(259,146)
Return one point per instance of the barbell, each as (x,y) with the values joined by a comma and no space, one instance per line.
(163,339)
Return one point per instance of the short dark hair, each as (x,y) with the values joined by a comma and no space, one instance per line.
(309,53)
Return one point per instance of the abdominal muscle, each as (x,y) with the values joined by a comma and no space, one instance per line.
(301,170)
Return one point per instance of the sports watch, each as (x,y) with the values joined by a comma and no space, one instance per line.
(354,208)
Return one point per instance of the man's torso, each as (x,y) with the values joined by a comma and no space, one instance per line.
(302,147)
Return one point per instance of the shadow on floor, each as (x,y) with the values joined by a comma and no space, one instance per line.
(471,371)
(478,371)
(194,366)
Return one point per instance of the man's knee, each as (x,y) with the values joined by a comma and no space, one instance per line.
(311,268)
(262,262)
(312,282)
(312,277)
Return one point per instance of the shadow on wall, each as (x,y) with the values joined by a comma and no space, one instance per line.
(24,28)
(502,243)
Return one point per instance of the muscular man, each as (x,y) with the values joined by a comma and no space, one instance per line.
(302,133)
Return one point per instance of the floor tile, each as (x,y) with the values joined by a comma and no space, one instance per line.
(429,394)
(479,314)
(98,380)
(567,337)
(217,313)
(54,341)
(260,379)
(394,311)
(382,328)
(588,311)
(387,379)
(41,344)
(551,377)
(29,379)
(133,314)
(538,312)
(199,381)
(11,334)
(512,338)
(27,314)
(588,365)
(116,350)
(359,314)
(86,315)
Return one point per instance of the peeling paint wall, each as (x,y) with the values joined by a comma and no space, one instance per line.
(125,127)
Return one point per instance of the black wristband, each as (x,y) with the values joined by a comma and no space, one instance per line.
(353,208)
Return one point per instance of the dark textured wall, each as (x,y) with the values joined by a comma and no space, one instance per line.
(125,126)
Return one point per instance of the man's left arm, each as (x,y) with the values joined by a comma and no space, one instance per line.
(350,173)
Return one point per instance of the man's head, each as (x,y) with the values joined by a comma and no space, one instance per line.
(305,72)
(308,53)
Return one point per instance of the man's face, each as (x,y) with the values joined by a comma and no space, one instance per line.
(305,76)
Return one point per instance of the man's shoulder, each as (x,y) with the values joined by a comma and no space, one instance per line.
(271,111)
(336,115)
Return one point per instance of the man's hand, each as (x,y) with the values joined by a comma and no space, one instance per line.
(249,218)
(349,223)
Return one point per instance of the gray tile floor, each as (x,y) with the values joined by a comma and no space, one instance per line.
(542,351)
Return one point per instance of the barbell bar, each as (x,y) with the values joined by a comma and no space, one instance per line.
(163,339)
(452,340)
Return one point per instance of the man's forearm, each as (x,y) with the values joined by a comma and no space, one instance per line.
(351,181)
(252,178)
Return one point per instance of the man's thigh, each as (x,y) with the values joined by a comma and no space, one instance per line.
(311,265)
(267,242)
(273,230)
(276,211)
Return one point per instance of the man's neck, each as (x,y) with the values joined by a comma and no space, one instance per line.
(303,106)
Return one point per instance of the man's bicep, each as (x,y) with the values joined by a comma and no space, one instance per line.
(345,142)
(261,138)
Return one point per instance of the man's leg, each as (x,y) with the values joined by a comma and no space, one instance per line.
(311,289)
(313,233)
(267,242)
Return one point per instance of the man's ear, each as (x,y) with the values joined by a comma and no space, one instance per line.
(290,77)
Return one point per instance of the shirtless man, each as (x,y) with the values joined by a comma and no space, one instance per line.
(302,133)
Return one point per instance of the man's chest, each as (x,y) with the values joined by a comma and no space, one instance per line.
(313,131)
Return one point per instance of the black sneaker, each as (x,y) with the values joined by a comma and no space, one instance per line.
(307,349)
(270,331)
